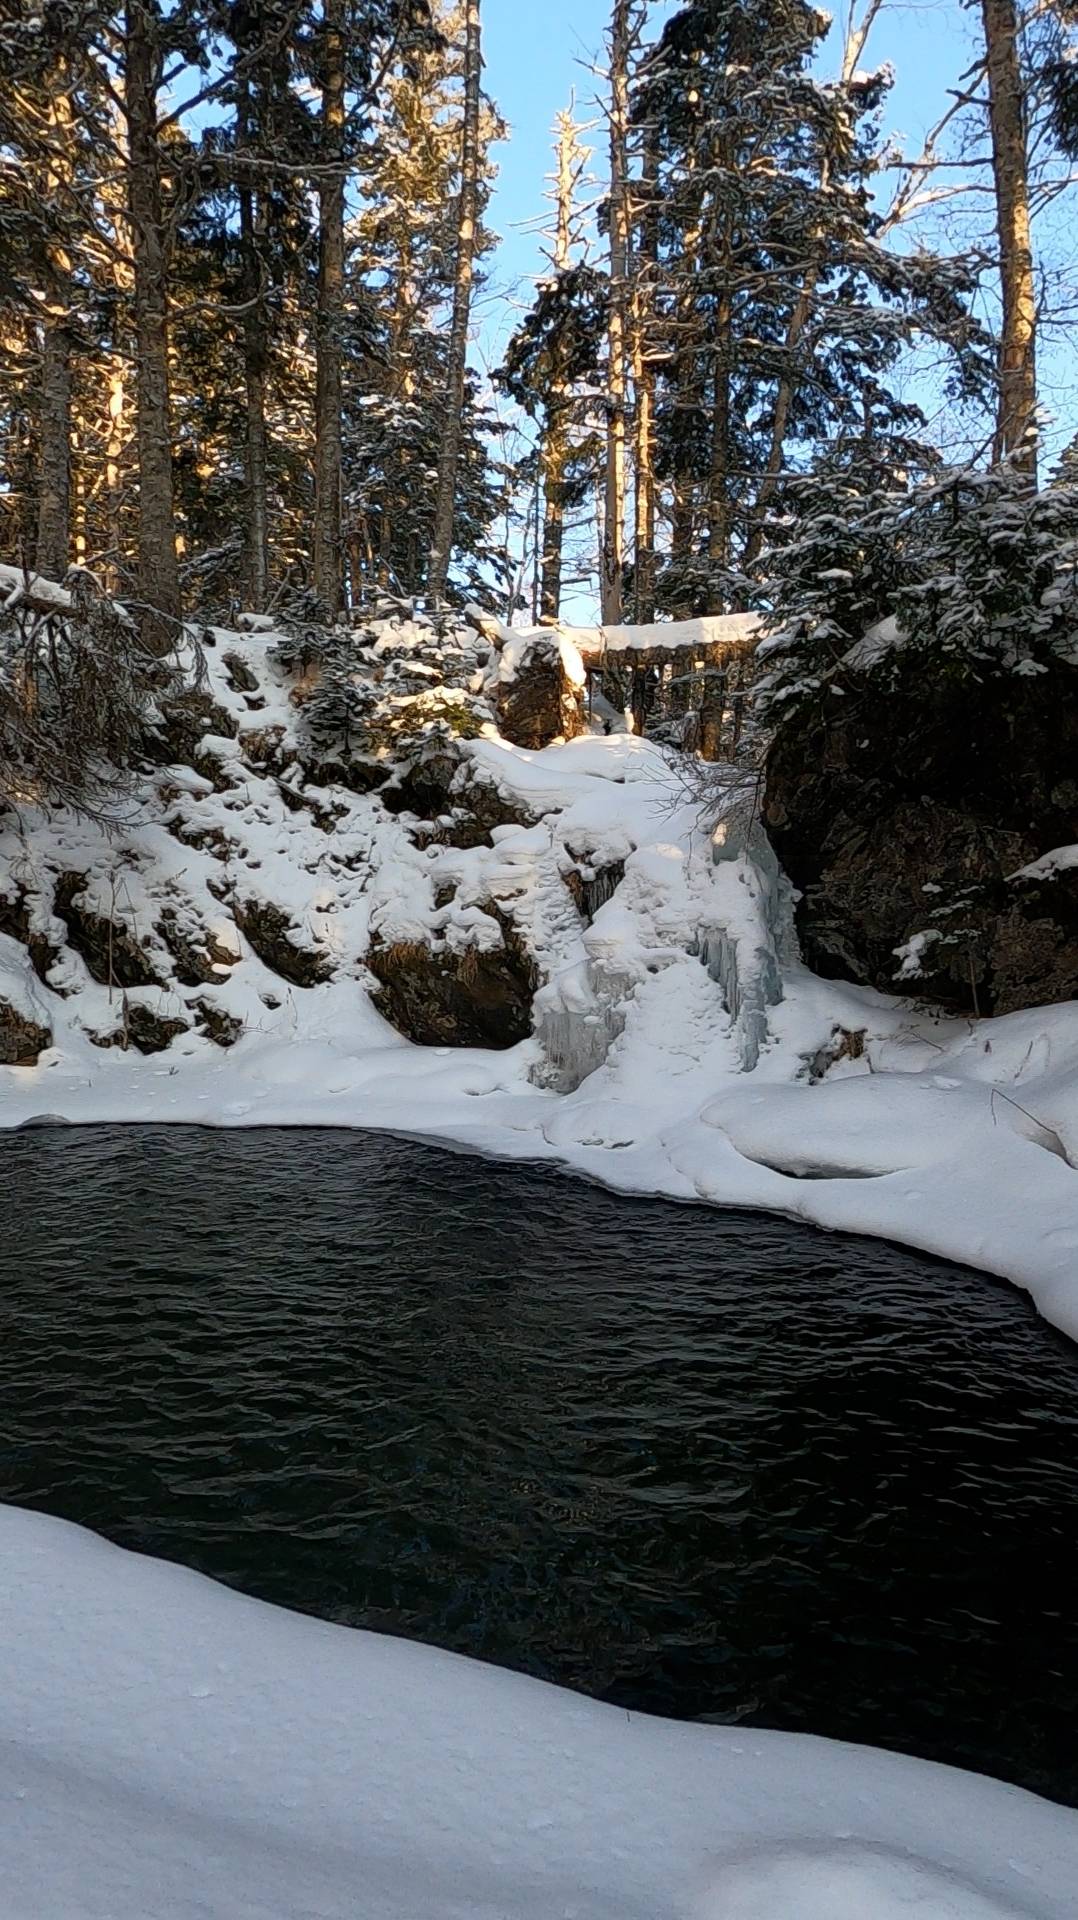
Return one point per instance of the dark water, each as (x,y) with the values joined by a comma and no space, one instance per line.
(693,1462)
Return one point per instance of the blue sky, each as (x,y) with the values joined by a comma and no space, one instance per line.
(534,50)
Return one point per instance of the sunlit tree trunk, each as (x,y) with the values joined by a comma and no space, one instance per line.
(328,457)
(54,480)
(1016,416)
(614,506)
(449,458)
(159,580)
(255,349)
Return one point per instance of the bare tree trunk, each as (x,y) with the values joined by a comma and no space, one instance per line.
(254,368)
(449,458)
(114,447)
(614,509)
(159,580)
(54,500)
(686,395)
(328,452)
(555,447)
(54,482)
(718,492)
(553,536)
(644,398)
(1016,417)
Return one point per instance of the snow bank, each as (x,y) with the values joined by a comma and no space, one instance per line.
(173,1751)
(679,1047)
(710,630)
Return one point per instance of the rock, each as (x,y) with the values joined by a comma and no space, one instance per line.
(241,677)
(222,1027)
(904,808)
(187,718)
(22,1039)
(278,943)
(198,953)
(143,1029)
(591,887)
(462,803)
(16,921)
(112,952)
(538,703)
(441,998)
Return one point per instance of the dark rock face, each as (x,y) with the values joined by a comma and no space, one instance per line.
(110,948)
(187,718)
(540,704)
(591,887)
(443,999)
(462,803)
(273,936)
(145,1030)
(21,1039)
(903,809)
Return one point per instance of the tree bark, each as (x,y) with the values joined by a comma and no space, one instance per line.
(255,346)
(328,452)
(54,480)
(555,445)
(1016,417)
(159,580)
(644,397)
(614,505)
(445,499)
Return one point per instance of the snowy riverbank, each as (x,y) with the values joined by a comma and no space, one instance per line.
(171,1750)
(679,1047)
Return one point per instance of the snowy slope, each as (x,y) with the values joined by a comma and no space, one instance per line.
(679,1047)
(173,1751)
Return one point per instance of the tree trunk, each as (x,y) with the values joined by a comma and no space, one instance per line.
(554,455)
(54,481)
(554,452)
(254,368)
(644,397)
(1016,418)
(54,500)
(687,395)
(445,499)
(328,456)
(159,580)
(614,507)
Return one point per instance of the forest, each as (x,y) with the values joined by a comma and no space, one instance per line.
(242,247)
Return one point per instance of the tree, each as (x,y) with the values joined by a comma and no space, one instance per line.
(159,578)
(328,564)
(777,317)
(456,365)
(1016,416)
(613,557)
(554,354)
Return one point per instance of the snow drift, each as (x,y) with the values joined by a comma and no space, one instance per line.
(170,1751)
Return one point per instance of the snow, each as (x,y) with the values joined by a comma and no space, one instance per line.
(884,638)
(710,630)
(680,1048)
(1059,860)
(518,644)
(17,585)
(170,1750)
